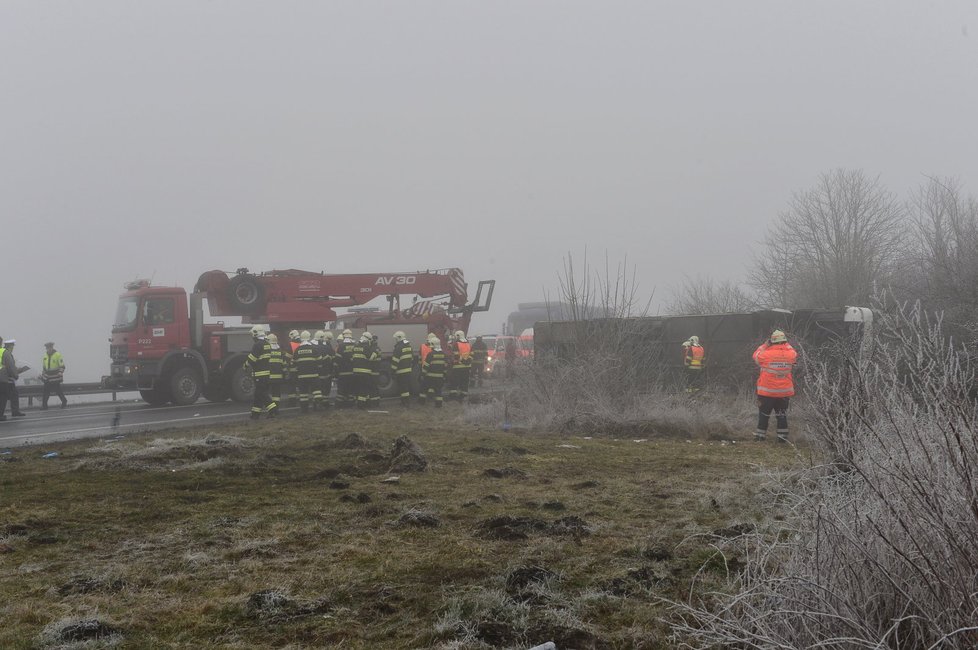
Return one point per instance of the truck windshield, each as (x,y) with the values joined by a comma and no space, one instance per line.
(125,314)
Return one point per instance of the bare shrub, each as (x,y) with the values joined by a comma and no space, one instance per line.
(706,295)
(879,544)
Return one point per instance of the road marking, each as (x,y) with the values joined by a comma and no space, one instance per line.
(122,426)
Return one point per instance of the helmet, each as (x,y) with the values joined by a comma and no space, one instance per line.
(328,336)
(366,337)
(320,334)
(294,335)
(258,331)
(398,335)
(347,334)
(777,336)
(432,338)
(305,335)
(694,340)
(272,339)
(459,335)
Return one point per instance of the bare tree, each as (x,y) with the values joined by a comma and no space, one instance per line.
(834,245)
(942,268)
(705,295)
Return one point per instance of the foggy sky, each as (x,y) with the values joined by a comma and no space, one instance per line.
(168,138)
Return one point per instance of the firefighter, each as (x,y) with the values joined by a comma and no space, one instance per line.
(374,358)
(362,371)
(345,389)
(258,361)
(276,370)
(775,358)
(694,360)
(317,389)
(480,355)
(461,363)
(289,383)
(306,363)
(402,365)
(327,361)
(422,356)
(433,371)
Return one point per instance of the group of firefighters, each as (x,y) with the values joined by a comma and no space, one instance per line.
(774,358)
(311,362)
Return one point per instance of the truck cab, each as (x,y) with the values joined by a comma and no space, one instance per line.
(161,347)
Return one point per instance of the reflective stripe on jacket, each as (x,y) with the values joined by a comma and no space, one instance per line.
(462,354)
(775,361)
(52,367)
(694,357)
(402,360)
(306,362)
(259,357)
(434,365)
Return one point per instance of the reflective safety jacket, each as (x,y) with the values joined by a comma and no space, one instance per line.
(775,361)
(435,363)
(326,360)
(461,354)
(258,359)
(52,367)
(360,358)
(402,360)
(344,357)
(480,353)
(694,357)
(276,363)
(306,361)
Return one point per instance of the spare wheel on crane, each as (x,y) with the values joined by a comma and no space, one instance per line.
(246,294)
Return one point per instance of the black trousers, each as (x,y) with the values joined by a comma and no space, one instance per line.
(778,406)
(262,400)
(478,372)
(54,386)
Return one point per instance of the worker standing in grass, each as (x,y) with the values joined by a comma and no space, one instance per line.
(306,370)
(402,366)
(694,360)
(374,357)
(775,358)
(276,370)
(52,375)
(326,363)
(480,355)
(362,373)
(422,356)
(345,390)
(433,371)
(461,360)
(259,362)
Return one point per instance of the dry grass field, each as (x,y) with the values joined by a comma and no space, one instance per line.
(296,534)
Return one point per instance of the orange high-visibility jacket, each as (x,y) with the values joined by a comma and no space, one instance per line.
(425,349)
(693,357)
(775,361)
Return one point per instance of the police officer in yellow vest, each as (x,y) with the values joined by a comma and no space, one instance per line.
(52,375)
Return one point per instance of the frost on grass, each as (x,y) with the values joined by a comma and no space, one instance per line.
(877,543)
(79,634)
(165,454)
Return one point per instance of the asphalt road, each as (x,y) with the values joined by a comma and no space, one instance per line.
(112,418)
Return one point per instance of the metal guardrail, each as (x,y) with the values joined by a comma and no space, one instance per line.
(32,391)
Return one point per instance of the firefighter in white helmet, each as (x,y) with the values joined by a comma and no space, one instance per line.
(694,361)
(345,385)
(426,348)
(276,368)
(326,367)
(460,357)
(433,371)
(259,361)
(306,370)
(402,366)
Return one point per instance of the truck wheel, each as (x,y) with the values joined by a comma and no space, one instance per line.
(185,386)
(155,397)
(246,294)
(241,387)
(386,385)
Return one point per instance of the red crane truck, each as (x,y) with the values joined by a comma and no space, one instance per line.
(161,346)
